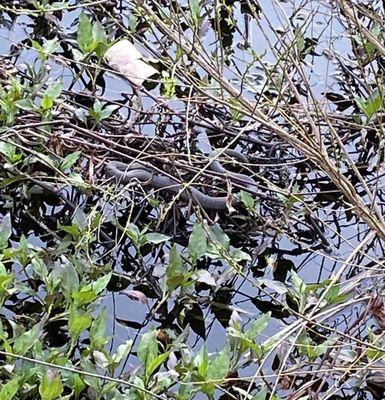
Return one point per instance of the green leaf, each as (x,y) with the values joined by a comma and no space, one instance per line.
(218,237)
(258,326)
(25,104)
(299,291)
(76,383)
(50,46)
(28,339)
(84,296)
(102,360)
(47,49)
(154,238)
(239,255)
(5,231)
(332,294)
(219,367)
(36,45)
(69,278)
(98,331)
(299,284)
(98,107)
(50,386)
(202,361)
(132,231)
(107,111)
(99,42)
(52,92)
(69,160)
(84,37)
(197,244)
(40,267)
(148,349)
(100,284)
(300,41)
(217,370)
(78,324)
(122,351)
(195,9)
(9,389)
(371,105)
(156,362)
(175,272)
(247,200)
(7,149)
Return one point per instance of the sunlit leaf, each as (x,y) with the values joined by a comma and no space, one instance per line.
(99,42)
(101,359)
(50,386)
(9,389)
(219,367)
(98,330)
(101,283)
(84,296)
(84,37)
(148,348)
(25,104)
(156,362)
(78,324)
(372,104)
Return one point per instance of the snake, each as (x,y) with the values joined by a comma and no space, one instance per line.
(125,173)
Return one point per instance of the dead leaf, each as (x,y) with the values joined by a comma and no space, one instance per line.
(377,309)
(126,59)
(135,295)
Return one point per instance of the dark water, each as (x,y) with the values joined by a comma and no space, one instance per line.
(298,249)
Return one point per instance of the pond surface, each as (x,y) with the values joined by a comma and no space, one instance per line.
(298,249)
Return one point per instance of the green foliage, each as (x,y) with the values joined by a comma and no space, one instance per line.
(366,44)
(9,390)
(142,238)
(197,244)
(371,105)
(13,98)
(27,340)
(99,112)
(68,246)
(52,92)
(248,201)
(91,38)
(169,85)
(176,273)
(51,386)
(245,339)
(10,152)
(47,49)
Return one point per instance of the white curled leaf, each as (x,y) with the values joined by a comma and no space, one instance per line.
(126,59)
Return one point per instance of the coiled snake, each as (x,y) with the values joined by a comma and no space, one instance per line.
(124,173)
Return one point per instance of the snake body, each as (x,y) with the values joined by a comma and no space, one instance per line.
(124,173)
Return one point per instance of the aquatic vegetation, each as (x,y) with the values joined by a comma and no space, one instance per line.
(139,288)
